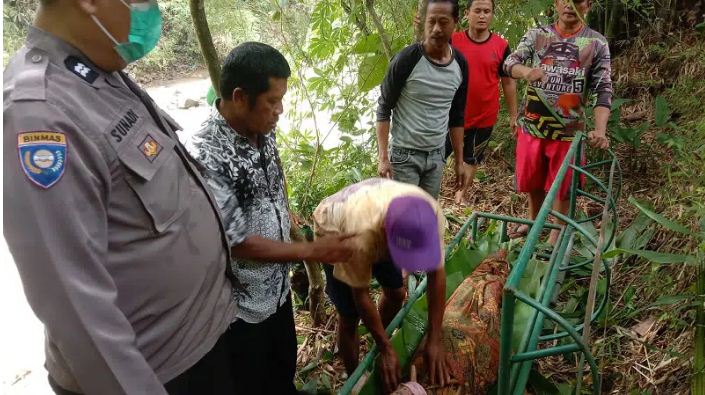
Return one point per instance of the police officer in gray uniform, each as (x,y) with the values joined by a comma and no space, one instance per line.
(118,243)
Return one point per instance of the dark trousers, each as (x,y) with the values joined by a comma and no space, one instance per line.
(264,354)
(212,374)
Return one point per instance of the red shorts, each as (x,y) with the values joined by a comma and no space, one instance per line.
(537,164)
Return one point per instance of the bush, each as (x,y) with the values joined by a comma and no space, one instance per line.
(17,16)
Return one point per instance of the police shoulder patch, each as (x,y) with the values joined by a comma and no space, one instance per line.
(42,156)
(76,66)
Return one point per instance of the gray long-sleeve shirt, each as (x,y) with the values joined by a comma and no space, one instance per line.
(118,243)
(422,98)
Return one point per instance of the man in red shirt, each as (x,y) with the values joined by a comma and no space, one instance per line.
(485,53)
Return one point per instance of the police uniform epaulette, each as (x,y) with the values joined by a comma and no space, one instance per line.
(30,83)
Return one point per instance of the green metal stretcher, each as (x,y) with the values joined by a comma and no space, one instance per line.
(546,332)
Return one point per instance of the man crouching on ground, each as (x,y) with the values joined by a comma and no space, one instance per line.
(397,226)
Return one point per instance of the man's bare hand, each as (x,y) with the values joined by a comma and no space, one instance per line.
(535,75)
(460,174)
(384,168)
(438,369)
(330,249)
(389,370)
(464,185)
(598,139)
(513,121)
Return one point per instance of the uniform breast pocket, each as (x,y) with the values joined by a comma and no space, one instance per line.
(157,176)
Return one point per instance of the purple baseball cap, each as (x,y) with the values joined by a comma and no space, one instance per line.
(411,227)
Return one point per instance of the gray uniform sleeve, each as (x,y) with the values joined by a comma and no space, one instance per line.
(58,239)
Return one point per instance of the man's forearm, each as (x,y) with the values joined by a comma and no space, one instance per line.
(509,86)
(519,71)
(260,249)
(436,302)
(370,317)
(383,139)
(456,140)
(602,115)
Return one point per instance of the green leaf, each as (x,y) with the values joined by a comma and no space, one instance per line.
(653,256)
(311,365)
(661,111)
(565,389)
(371,72)
(668,300)
(310,387)
(321,48)
(628,237)
(700,27)
(325,383)
(619,102)
(663,221)
(368,44)
(322,17)
(327,356)
(356,174)
(541,385)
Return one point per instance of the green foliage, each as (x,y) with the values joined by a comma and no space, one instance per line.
(698,294)
(529,284)
(652,256)
(310,180)
(337,64)
(178,49)
(178,45)
(660,219)
(372,70)
(17,16)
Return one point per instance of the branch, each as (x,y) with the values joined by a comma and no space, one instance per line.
(205,41)
(317,154)
(357,17)
(386,46)
(421,12)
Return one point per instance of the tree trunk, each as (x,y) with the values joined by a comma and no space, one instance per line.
(316,284)
(386,45)
(593,17)
(667,13)
(421,12)
(614,25)
(205,40)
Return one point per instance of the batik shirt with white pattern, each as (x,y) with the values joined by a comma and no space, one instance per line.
(248,185)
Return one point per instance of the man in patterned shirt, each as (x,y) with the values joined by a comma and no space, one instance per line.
(238,153)
(566,61)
